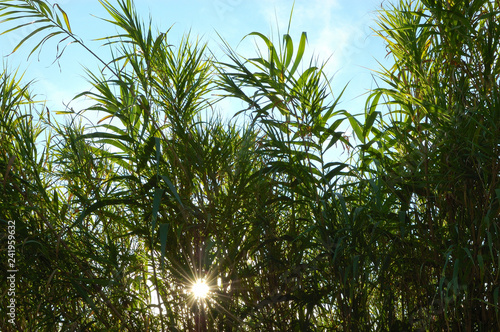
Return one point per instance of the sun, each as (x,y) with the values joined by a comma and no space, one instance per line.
(200,289)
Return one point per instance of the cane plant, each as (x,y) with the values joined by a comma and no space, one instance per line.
(117,220)
(441,140)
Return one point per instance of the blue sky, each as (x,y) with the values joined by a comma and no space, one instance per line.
(338,30)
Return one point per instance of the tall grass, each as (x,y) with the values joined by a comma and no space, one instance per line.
(116,220)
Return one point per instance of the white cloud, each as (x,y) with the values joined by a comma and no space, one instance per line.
(337,30)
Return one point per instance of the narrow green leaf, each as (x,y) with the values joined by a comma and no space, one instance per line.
(370,119)
(125,138)
(66,20)
(300,53)
(305,75)
(115,129)
(163,238)
(172,189)
(467,251)
(337,171)
(274,60)
(29,36)
(156,207)
(145,154)
(99,204)
(85,295)
(356,127)
(288,50)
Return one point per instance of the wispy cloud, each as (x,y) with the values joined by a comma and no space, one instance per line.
(337,30)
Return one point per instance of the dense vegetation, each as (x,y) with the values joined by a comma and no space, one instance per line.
(113,218)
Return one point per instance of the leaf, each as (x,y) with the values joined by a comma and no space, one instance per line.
(107,135)
(115,129)
(156,206)
(85,295)
(163,238)
(145,154)
(469,254)
(66,20)
(356,127)
(102,203)
(105,118)
(335,171)
(273,56)
(305,75)
(288,50)
(172,189)
(300,53)
(29,36)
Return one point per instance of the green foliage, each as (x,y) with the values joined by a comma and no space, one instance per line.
(115,221)
(440,140)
